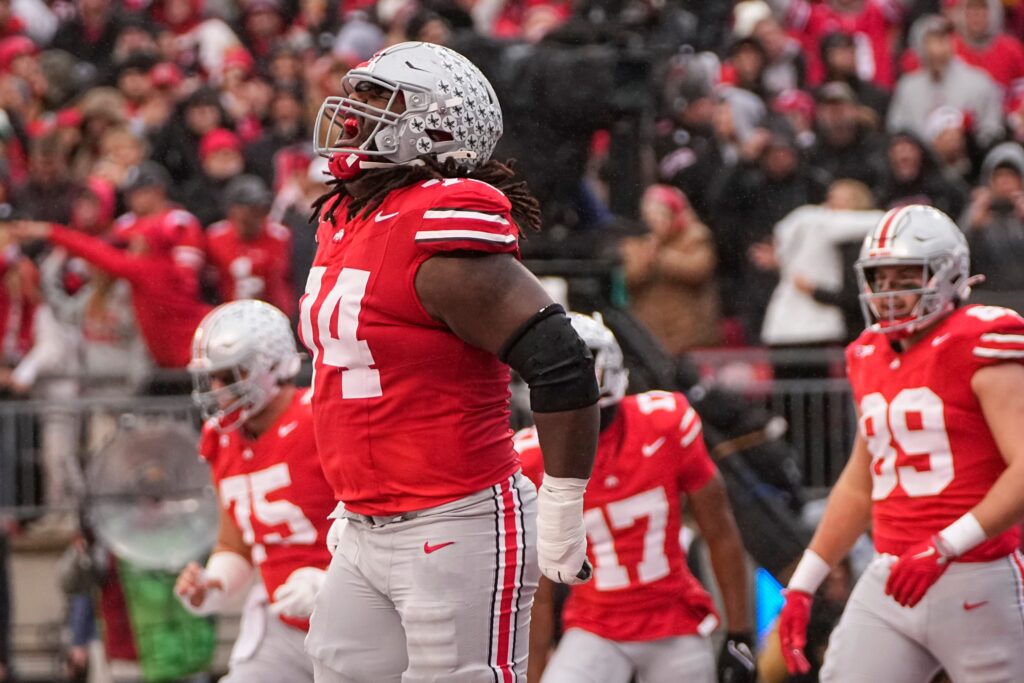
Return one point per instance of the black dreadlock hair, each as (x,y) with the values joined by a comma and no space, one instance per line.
(525,207)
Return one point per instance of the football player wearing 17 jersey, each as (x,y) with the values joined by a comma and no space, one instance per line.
(258,441)
(937,469)
(415,308)
(644,614)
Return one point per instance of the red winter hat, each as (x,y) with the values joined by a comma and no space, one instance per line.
(165,75)
(105,194)
(238,58)
(794,100)
(14,47)
(673,199)
(217,140)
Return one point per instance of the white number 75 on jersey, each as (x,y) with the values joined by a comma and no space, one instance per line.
(249,492)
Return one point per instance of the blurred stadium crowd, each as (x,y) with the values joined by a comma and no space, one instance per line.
(720,161)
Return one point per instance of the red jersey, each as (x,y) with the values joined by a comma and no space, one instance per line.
(276,492)
(189,242)
(253,269)
(408,416)
(165,300)
(933,457)
(651,454)
(870,28)
(19,297)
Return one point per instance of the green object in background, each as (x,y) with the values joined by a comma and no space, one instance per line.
(171,642)
(620,292)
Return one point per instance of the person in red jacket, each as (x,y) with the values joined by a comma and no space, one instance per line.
(165,299)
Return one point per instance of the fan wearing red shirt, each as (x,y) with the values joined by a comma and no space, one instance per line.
(644,614)
(981,41)
(415,308)
(259,443)
(937,470)
(870,22)
(250,253)
(165,298)
(145,191)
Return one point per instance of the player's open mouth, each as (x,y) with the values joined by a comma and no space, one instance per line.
(350,131)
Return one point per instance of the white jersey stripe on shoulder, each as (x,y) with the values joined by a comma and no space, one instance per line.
(437,235)
(688,418)
(983,352)
(691,436)
(1003,338)
(438,214)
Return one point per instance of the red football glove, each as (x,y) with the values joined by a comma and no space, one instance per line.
(915,571)
(793,620)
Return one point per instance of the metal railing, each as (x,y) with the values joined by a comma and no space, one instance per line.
(37,435)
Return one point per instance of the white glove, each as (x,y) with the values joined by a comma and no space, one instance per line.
(296,597)
(334,534)
(561,535)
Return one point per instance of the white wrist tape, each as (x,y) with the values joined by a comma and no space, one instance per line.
(561,535)
(963,534)
(231,571)
(564,489)
(810,573)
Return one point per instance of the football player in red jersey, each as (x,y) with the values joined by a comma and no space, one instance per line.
(937,469)
(415,307)
(145,191)
(251,253)
(258,441)
(644,614)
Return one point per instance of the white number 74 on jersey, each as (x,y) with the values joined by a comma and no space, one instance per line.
(346,350)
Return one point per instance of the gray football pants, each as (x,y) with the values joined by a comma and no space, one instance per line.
(583,657)
(440,595)
(970,623)
(267,649)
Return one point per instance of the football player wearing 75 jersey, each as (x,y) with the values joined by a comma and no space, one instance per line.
(258,441)
(415,308)
(937,469)
(644,614)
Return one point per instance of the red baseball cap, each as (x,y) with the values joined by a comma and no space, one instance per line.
(14,47)
(217,140)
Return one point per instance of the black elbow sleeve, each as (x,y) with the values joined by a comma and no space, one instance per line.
(553,361)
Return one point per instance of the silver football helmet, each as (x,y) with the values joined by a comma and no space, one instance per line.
(612,376)
(451,110)
(914,235)
(248,346)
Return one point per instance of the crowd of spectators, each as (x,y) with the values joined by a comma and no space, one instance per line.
(156,159)
(171,140)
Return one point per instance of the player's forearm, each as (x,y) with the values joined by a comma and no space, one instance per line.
(1003,506)
(568,440)
(846,517)
(729,563)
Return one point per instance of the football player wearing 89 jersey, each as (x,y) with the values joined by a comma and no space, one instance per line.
(274,498)
(415,307)
(644,614)
(937,469)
